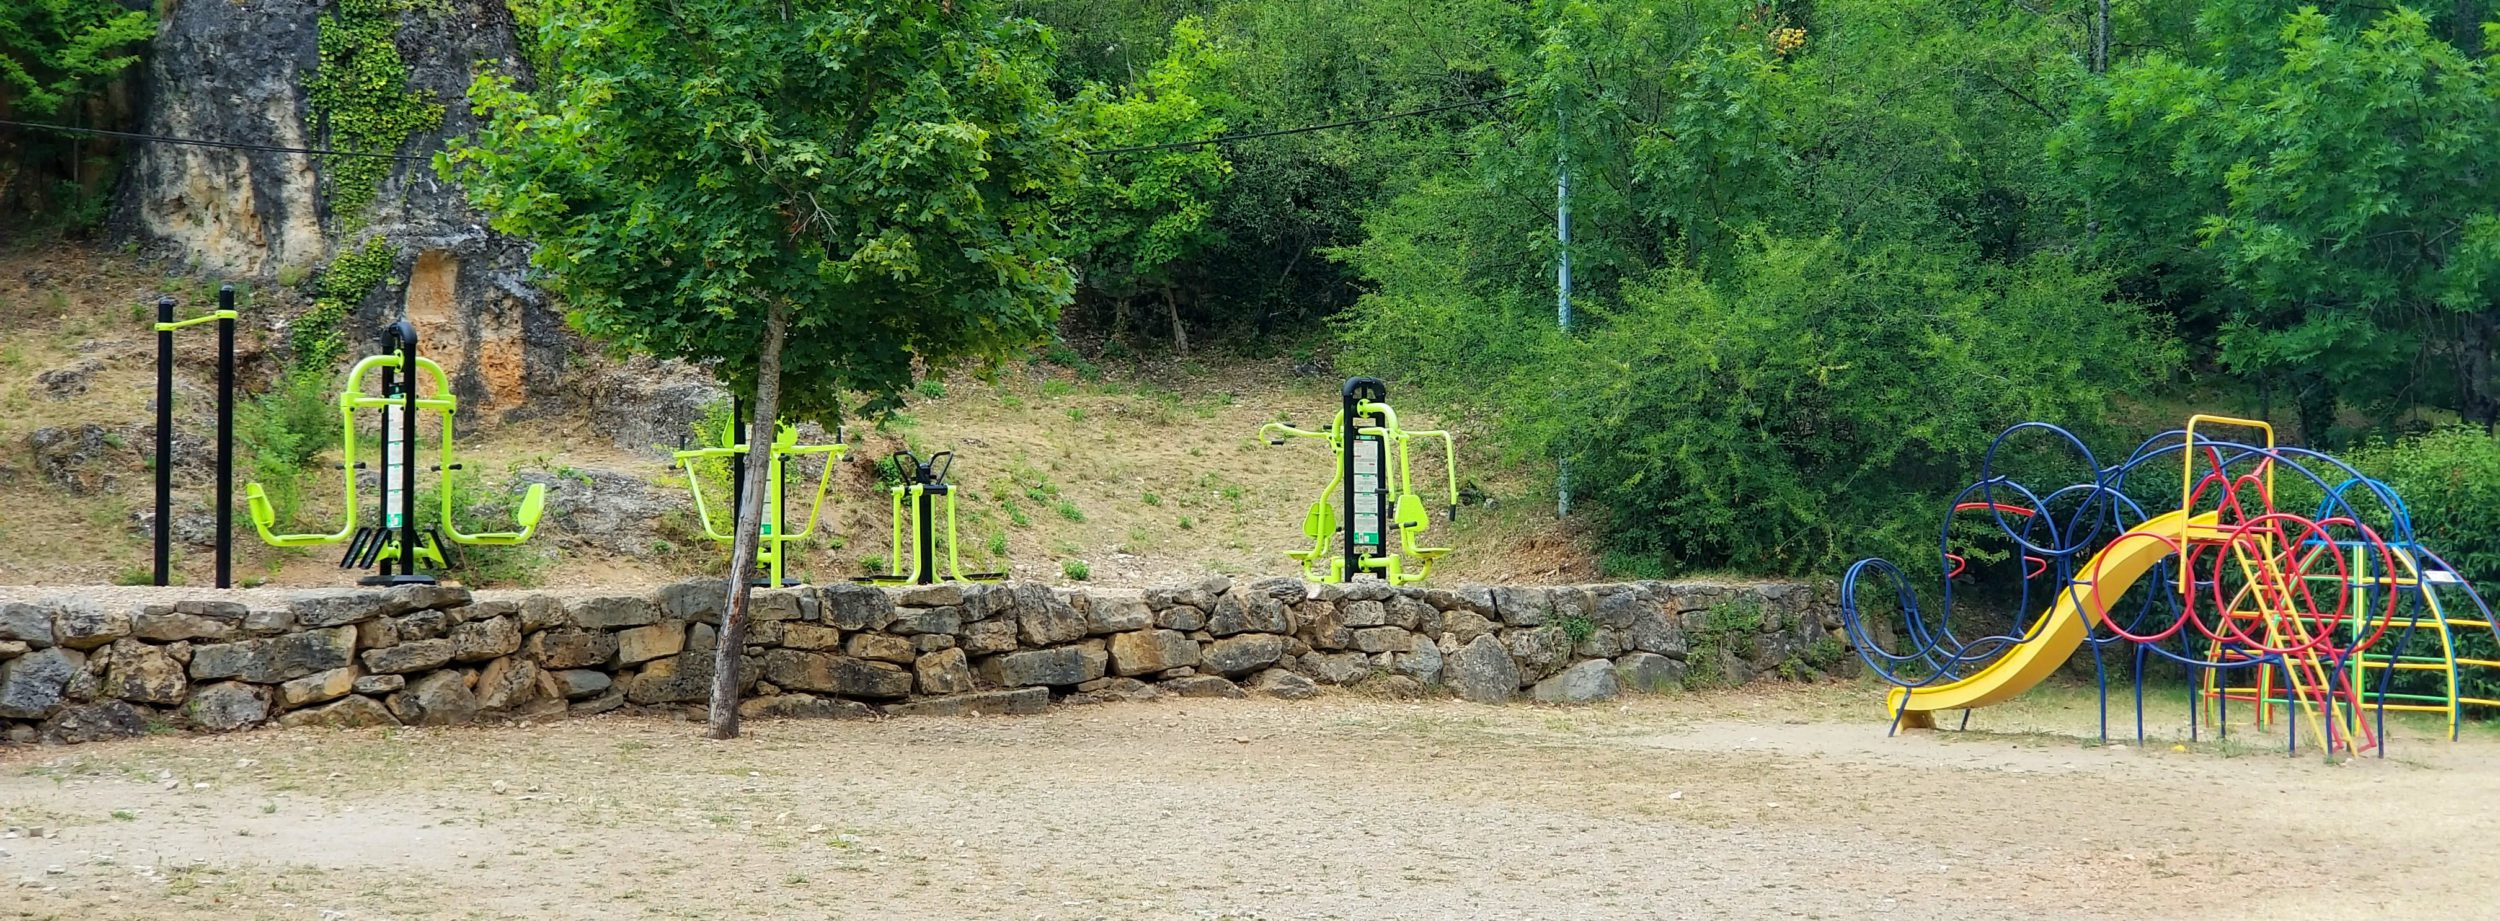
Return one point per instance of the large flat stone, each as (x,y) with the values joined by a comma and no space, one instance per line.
(609,612)
(31,684)
(1062,667)
(1241,655)
(1018,702)
(1144,652)
(276,659)
(405,658)
(831,674)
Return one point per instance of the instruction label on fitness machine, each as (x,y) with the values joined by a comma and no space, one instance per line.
(1366,512)
(394,474)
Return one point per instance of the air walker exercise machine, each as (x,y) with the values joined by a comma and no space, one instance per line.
(396,547)
(922,485)
(770,550)
(1361,434)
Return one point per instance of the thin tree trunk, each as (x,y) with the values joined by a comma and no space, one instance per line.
(2100,38)
(2482,405)
(1172,309)
(733,622)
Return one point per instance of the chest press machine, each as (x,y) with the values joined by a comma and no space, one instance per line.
(1371,491)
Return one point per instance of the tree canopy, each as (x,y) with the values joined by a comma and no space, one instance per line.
(883,169)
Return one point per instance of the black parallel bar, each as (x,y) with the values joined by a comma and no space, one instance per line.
(225,438)
(408,447)
(926,511)
(164,441)
(1347,423)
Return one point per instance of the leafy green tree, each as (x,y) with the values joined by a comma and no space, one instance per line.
(56,56)
(1142,215)
(54,51)
(2341,178)
(809,198)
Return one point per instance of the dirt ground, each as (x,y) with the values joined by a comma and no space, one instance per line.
(1786,803)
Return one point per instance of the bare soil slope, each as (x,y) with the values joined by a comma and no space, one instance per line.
(1128,475)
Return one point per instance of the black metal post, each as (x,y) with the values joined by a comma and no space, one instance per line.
(408,449)
(927,513)
(1352,396)
(164,440)
(225,437)
(1345,458)
(382,490)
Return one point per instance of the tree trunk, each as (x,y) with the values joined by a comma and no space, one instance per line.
(760,431)
(2481,404)
(2100,39)
(1172,309)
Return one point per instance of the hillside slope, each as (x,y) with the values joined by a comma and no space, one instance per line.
(1130,475)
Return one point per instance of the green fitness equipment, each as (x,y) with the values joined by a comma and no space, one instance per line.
(395,547)
(769,548)
(922,483)
(1371,494)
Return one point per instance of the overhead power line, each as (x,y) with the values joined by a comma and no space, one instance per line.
(228,145)
(405,158)
(1306,129)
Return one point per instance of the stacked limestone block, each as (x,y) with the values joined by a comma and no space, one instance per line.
(84,666)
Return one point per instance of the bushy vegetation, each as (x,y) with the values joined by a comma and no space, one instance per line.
(1821,252)
(2450,481)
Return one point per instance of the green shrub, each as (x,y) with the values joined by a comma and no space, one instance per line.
(478,509)
(2449,480)
(1724,627)
(1076,570)
(1817,402)
(283,431)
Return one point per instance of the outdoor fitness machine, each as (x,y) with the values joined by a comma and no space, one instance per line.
(769,544)
(165,327)
(396,546)
(921,485)
(1371,493)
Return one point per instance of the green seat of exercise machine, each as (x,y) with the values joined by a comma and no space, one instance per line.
(265,516)
(533,506)
(1411,522)
(1317,524)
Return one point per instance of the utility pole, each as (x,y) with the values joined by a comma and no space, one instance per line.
(1562,276)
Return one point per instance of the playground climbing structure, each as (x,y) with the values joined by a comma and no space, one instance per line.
(2323,619)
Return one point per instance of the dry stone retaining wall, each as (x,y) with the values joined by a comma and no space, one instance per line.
(89,665)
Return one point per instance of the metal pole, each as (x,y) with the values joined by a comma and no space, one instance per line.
(164,440)
(924,520)
(1562,279)
(408,450)
(225,437)
(1348,400)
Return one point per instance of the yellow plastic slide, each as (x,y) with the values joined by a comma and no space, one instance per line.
(2052,637)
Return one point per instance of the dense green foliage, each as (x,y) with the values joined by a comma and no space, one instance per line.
(2450,481)
(881,169)
(1822,251)
(56,59)
(1139,215)
(52,52)
(2335,173)
(361,95)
